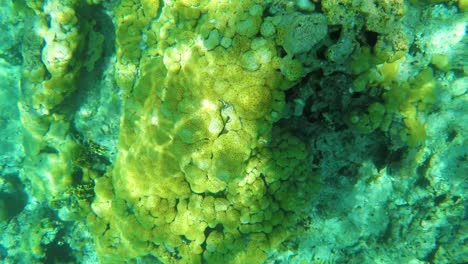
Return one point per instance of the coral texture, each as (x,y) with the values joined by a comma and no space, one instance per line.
(198,131)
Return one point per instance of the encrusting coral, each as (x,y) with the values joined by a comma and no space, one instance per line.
(197,176)
(49,78)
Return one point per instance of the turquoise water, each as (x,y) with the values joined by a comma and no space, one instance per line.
(236,132)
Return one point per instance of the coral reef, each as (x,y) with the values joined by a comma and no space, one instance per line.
(195,131)
(197,174)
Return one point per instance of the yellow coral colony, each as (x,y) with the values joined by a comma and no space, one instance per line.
(48,146)
(196,178)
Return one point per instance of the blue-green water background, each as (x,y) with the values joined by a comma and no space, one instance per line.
(378,204)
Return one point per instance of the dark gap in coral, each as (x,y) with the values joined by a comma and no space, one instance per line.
(267,12)
(58,251)
(456,198)
(349,171)
(49,150)
(162,4)
(422,181)
(371,37)
(281,52)
(318,6)
(305,222)
(330,99)
(77,176)
(185,240)
(430,257)
(13,198)
(108,226)
(208,230)
(414,49)
(308,114)
(104,26)
(387,234)
(48,20)
(459,73)
(357,95)
(321,53)
(220,194)
(394,159)
(47,75)
(3,252)
(421,171)
(440,199)
(381,151)
(451,135)
(335,33)
(291,94)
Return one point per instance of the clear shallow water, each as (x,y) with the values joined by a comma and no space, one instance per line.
(362,159)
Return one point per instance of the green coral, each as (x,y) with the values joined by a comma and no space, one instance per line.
(401,99)
(198,177)
(411,100)
(47,145)
(59,164)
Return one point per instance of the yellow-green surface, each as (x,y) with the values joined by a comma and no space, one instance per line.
(204,171)
(195,177)
(198,174)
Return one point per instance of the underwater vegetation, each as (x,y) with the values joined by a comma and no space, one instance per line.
(193,131)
